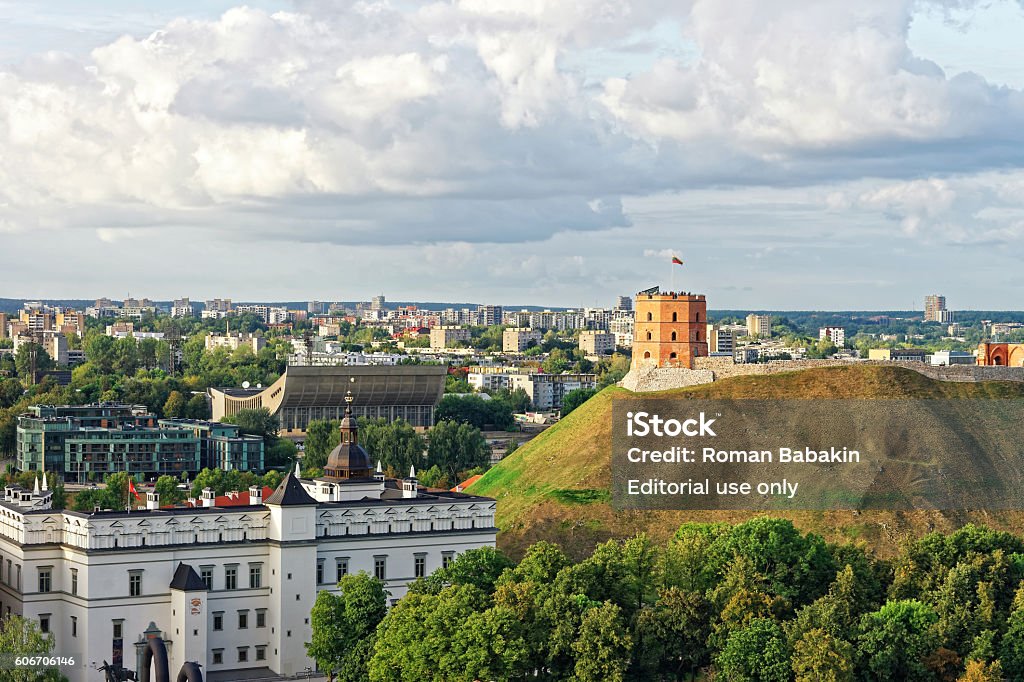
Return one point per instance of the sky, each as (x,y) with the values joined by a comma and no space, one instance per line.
(826,155)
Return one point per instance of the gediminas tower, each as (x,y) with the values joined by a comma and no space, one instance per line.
(670,329)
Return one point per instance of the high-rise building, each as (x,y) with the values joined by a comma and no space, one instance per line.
(182,307)
(217,308)
(837,335)
(623,303)
(720,340)
(489,315)
(935,309)
(670,329)
(759,325)
(4,320)
(377,302)
(596,342)
(446,336)
(518,339)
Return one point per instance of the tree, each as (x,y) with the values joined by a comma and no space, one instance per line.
(396,444)
(820,657)
(22,636)
(575,398)
(672,635)
(197,407)
(603,647)
(167,487)
(257,422)
(321,437)
(175,405)
(896,639)
(456,447)
(343,623)
(757,653)
(23,361)
(481,567)
(979,671)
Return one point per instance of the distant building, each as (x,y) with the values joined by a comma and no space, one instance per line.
(182,307)
(304,393)
(621,326)
(720,340)
(518,339)
(546,391)
(670,329)
(268,314)
(222,446)
(377,302)
(935,309)
(897,354)
(623,303)
(954,329)
(837,335)
(447,336)
(945,358)
(217,309)
(54,343)
(4,321)
(234,340)
(593,342)
(759,325)
(489,315)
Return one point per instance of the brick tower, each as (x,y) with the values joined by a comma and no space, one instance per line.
(670,329)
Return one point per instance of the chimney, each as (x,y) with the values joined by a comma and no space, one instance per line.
(208,497)
(255,495)
(152,500)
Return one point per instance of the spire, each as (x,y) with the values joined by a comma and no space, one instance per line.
(412,471)
(35,491)
(298,473)
(380,469)
(45,486)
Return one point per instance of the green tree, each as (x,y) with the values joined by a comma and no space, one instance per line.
(342,623)
(820,657)
(896,639)
(197,407)
(575,398)
(672,635)
(757,653)
(167,487)
(23,362)
(481,567)
(321,437)
(979,671)
(396,444)
(603,647)
(22,636)
(175,405)
(456,447)
(257,422)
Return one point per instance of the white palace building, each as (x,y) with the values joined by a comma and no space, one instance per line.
(228,582)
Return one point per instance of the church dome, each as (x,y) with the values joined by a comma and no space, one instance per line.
(349,459)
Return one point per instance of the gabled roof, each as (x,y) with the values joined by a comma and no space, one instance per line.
(290,493)
(187,580)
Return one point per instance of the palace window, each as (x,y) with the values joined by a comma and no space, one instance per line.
(261,618)
(420,566)
(261,653)
(118,628)
(135,583)
(341,565)
(74,581)
(206,574)
(218,620)
(243,620)
(231,577)
(74,626)
(380,567)
(255,575)
(447,558)
(44,623)
(319,571)
(218,656)
(45,579)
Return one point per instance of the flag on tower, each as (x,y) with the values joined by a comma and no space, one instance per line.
(132,490)
(676,261)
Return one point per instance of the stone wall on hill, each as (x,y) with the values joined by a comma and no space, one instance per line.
(711,369)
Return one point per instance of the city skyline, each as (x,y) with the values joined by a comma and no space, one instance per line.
(289,148)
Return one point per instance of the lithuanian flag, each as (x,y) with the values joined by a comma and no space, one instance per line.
(676,261)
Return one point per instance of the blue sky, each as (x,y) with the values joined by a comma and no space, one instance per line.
(834,155)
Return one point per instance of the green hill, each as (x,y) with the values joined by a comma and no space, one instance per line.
(556,487)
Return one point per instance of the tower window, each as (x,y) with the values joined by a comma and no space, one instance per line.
(675,317)
(672,356)
(649,337)
(650,317)
(647,355)
(696,317)
(673,334)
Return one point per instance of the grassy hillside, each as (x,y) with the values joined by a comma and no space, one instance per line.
(556,487)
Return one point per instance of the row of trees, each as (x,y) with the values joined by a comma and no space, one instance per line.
(441,456)
(747,602)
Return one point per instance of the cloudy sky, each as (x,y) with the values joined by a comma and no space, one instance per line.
(832,154)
